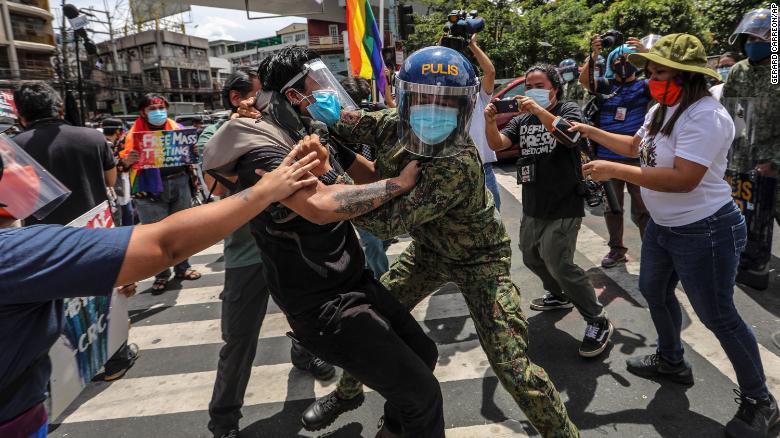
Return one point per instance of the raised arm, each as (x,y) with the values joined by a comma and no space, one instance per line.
(496,140)
(488,70)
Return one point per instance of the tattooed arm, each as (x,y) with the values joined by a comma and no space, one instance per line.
(324,204)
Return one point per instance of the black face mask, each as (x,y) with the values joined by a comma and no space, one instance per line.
(625,69)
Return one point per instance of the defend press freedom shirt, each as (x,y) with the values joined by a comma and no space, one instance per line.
(703,134)
(554,194)
(39,266)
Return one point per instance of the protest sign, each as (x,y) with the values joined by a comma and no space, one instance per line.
(158,149)
(95,328)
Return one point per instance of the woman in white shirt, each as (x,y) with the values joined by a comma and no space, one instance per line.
(696,233)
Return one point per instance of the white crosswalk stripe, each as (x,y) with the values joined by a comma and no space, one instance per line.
(464,360)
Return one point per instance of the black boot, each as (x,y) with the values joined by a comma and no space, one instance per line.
(305,361)
(326,409)
(654,366)
(754,417)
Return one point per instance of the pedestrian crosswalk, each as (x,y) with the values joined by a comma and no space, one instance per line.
(167,394)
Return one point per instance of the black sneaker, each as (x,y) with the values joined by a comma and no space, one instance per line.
(653,365)
(550,302)
(232,433)
(326,409)
(754,417)
(305,361)
(597,334)
(118,365)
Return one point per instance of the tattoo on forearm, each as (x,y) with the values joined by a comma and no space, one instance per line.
(244,194)
(362,199)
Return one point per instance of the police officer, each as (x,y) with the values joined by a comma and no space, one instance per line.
(572,89)
(754,103)
(457,234)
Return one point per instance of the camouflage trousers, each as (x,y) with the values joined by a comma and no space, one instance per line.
(494,304)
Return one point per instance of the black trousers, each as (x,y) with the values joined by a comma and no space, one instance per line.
(244,303)
(369,334)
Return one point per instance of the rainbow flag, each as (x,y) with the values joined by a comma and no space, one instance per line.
(365,52)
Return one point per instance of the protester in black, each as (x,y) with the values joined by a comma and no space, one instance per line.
(79,157)
(552,201)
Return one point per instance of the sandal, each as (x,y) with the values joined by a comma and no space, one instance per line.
(159,285)
(189,274)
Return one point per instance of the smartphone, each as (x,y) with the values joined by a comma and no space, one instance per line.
(506,105)
(562,130)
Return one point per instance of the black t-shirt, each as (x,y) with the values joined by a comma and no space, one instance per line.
(554,194)
(77,157)
(305,264)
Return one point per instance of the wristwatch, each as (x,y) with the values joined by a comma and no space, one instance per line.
(330,177)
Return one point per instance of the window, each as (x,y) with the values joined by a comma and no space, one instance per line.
(149,50)
(32,29)
(517,90)
(175,51)
(197,53)
(300,37)
(287,39)
(333,30)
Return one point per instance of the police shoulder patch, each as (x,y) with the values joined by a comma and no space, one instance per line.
(350,117)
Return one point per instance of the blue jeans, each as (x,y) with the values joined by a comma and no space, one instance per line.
(374,249)
(492,184)
(704,256)
(176,196)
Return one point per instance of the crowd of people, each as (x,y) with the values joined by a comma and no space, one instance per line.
(313,178)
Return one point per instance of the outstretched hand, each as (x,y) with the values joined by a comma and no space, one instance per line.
(246,108)
(312,143)
(290,176)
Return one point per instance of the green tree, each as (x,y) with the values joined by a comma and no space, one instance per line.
(722,18)
(641,17)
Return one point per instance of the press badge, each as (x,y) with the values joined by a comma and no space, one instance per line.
(526,171)
(620,114)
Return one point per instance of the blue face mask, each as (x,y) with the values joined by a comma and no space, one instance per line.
(157,117)
(540,95)
(326,107)
(758,50)
(724,72)
(568,76)
(596,74)
(433,123)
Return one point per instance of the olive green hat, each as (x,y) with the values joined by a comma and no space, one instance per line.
(679,51)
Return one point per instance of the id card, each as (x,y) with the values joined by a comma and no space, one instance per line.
(526,173)
(620,114)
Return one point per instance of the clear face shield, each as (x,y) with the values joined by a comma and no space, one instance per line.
(26,188)
(327,97)
(754,23)
(434,119)
(650,40)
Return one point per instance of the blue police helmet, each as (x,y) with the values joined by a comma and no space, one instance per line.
(440,66)
(567,63)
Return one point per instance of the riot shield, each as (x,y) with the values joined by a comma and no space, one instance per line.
(757,138)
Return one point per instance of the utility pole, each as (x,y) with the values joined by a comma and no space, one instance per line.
(116,56)
(64,50)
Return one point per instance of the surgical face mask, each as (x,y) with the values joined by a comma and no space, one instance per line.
(568,76)
(157,117)
(540,95)
(757,50)
(326,107)
(433,123)
(724,72)
(596,74)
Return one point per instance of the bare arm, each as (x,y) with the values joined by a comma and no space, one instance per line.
(496,140)
(595,44)
(110,177)
(683,177)
(363,171)
(153,247)
(625,145)
(488,70)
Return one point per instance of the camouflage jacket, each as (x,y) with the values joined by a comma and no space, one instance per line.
(574,92)
(448,213)
(754,103)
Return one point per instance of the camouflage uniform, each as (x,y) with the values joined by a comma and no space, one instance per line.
(458,237)
(748,80)
(574,92)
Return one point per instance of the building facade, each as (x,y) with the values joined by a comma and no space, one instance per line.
(27,41)
(172,64)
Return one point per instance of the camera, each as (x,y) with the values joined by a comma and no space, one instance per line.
(460,26)
(611,39)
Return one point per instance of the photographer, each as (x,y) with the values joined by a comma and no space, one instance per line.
(552,207)
(621,103)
